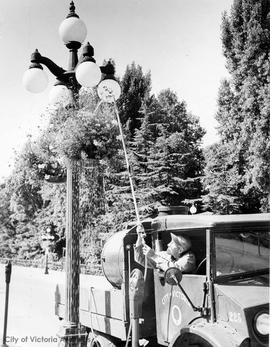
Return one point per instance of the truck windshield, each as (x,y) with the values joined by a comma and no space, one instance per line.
(240,252)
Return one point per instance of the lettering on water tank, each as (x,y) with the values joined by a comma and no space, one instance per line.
(174,294)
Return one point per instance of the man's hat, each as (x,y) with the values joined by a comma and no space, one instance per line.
(182,241)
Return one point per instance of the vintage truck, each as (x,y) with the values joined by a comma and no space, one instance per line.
(224,303)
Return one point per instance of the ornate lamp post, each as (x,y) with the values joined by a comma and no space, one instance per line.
(84,73)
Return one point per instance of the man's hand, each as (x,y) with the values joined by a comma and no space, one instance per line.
(148,252)
(141,235)
(139,241)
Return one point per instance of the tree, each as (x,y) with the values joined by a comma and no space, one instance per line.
(224,182)
(25,202)
(7,229)
(135,90)
(168,159)
(243,104)
(24,185)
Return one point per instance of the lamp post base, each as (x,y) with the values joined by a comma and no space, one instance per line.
(72,336)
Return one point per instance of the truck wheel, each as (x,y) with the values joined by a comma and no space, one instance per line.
(97,340)
(188,340)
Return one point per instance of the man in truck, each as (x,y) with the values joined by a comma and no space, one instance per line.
(178,254)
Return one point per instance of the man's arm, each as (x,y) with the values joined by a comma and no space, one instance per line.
(142,251)
(159,260)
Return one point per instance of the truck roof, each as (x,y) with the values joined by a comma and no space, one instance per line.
(202,221)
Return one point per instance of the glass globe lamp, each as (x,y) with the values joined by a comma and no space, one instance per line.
(72,29)
(88,74)
(35,80)
(193,209)
(109,90)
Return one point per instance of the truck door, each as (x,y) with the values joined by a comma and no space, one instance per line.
(173,311)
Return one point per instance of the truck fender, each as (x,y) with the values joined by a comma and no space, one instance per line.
(216,334)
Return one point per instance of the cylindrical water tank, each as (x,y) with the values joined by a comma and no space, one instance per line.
(168,210)
(112,259)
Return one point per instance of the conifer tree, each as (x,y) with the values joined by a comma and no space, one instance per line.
(243,105)
(167,147)
(135,89)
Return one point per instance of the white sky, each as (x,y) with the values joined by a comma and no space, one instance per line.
(178,40)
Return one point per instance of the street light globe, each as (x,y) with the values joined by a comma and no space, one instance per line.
(72,29)
(109,90)
(88,74)
(35,80)
(60,95)
(193,209)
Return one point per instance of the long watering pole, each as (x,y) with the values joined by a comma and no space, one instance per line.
(134,318)
(128,166)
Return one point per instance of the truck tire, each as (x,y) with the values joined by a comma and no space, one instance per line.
(188,340)
(97,340)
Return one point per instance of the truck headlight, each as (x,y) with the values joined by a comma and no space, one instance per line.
(262,323)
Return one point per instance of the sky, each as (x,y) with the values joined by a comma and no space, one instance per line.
(179,41)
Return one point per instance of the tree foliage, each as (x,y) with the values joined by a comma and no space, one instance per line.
(167,157)
(164,148)
(136,88)
(243,111)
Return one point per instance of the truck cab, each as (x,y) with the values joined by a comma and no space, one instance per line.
(224,302)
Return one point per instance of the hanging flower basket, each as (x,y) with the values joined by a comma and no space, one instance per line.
(89,133)
(53,172)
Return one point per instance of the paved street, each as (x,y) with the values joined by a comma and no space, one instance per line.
(31,320)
